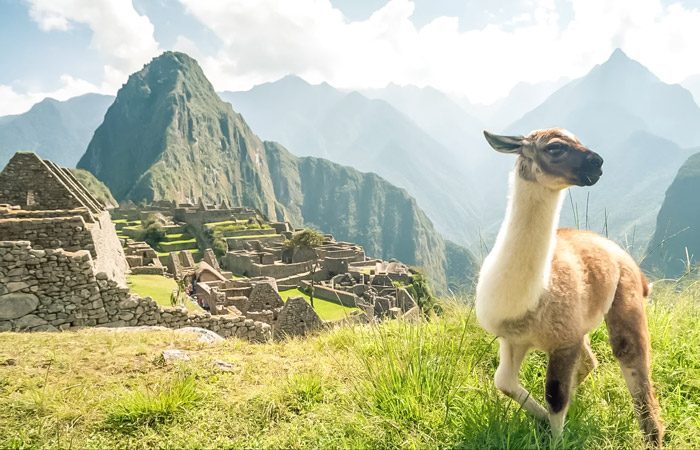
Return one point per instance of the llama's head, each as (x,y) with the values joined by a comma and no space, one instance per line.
(553,157)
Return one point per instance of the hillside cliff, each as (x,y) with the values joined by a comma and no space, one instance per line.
(169,136)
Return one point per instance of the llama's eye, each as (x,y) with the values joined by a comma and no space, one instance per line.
(555,149)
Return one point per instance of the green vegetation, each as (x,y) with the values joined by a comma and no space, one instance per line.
(325,309)
(95,187)
(675,247)
(154,406)
(153,231)
(158,288)
(304,239)
(149,160)
(394,385)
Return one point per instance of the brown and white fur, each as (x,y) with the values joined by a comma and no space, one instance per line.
(547,289)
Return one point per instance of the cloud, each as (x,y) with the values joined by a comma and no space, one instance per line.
(123,38)
(267,39)
(13,102)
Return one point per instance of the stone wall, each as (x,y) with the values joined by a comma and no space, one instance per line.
(68,233)
(110,254)
(50,290)
(14,212)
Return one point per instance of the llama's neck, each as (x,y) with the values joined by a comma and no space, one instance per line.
(516,272)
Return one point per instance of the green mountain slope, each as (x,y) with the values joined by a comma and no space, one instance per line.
(95,187)
(371,135)
(677,235)
(345,202)
(169,136)
(59,131)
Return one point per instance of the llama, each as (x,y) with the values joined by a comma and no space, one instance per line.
(547,289)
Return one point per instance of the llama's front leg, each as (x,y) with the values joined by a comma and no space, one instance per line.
(558,387)
(507,378)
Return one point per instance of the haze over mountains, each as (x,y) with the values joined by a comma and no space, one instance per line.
(59,131)
(169,136)
(371,136)
(419,139)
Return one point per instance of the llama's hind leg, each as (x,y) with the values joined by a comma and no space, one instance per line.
(587,362)
(559,384)
(511,358)
(629,338)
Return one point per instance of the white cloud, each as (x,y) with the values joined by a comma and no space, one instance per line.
(266,39)
(13,102)
(123,38)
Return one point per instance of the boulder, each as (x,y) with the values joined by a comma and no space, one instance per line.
(13,306)
(29,321)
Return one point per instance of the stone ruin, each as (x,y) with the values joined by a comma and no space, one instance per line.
(47,206)
(62,265)
(142,259)
(375,294)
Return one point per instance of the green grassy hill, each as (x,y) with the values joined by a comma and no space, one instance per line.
(395,385)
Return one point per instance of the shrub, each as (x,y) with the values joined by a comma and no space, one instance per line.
(219,245)
(305,238)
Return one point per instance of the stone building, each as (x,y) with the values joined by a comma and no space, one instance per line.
(47,206)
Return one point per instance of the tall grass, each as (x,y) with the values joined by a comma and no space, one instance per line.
(154,406)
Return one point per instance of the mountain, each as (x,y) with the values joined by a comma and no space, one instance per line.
(169,136)
(59,131)
(638,124)
(364,208)
(677,234)
(625,88)
(372,136)
(438,115)
(522,98)
(692,83)
(95,187)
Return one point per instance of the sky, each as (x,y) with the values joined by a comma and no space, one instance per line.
(478,49)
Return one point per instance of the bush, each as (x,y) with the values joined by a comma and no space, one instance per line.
(154,234)
(219,245)
(420,291)
(305,238)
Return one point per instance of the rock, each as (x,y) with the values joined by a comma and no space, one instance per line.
(29,321)
(223,365)
(46,327)
(13,306)
(207,336)
(16,286)
(175,355)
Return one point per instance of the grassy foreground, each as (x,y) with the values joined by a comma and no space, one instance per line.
(390,386)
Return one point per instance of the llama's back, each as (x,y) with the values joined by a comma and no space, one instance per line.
(601,257)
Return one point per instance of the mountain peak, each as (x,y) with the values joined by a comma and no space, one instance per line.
(619,64)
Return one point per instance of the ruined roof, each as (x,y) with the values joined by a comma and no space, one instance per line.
(38,184)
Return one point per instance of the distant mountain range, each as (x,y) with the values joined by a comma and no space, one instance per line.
(371,135)
(642,128)
(169,136)
(59,131)
(420,139)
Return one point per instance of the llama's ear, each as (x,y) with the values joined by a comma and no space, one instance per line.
(505,144)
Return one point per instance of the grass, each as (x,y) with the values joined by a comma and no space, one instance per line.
(388,386)
(325,309)
(158,288)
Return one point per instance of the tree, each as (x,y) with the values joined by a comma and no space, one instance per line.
(307,239)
